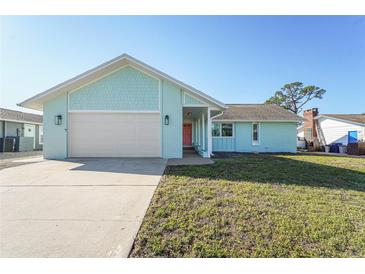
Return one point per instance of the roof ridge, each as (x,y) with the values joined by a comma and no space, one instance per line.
(28,113)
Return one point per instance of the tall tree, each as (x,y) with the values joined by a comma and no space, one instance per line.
(294,96)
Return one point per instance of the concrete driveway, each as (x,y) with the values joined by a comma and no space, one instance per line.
(75,208)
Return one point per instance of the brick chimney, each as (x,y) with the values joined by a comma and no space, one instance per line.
(309,123)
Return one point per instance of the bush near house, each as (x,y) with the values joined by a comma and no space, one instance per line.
(258,206)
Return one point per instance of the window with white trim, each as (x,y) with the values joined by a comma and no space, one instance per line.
(227,130)
(255,133)
(222,130)
(216,130)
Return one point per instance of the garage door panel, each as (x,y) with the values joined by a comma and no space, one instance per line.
(114,135)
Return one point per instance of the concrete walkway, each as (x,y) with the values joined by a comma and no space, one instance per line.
(75,208)
(190,158)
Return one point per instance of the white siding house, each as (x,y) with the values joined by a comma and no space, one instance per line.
(334,130)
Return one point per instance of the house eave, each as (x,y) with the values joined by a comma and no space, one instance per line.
(36,102)
(338,119)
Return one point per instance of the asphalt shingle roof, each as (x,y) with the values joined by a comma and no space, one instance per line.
(357,118)
(8,114)
(257,112)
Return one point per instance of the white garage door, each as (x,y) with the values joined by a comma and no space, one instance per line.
(114,135)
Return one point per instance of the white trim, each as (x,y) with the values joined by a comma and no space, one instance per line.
(209,132)
(199,129)
(113,111)
(130,60)
(106,75)
(338,119)
(219,114)
(193,106)
(256,143)
(20,121)
(220,130)
(203,133)
(39,135)
(203,104)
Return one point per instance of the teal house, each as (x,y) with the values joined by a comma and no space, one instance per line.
(126,108)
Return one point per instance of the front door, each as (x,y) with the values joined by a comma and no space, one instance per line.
(187,135)
(29,131)
(352,137)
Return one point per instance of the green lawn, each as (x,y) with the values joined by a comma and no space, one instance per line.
(258,206)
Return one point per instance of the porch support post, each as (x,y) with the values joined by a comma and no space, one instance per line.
(199,132)
(203,129)
(209,132)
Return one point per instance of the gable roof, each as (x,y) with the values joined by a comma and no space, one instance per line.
(19,116)
(352,118)
(257,112)
(36,102)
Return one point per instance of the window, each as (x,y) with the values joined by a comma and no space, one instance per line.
(222,130)
(40,135)
(308,134)
(216,130)
(227,130)
(255,134)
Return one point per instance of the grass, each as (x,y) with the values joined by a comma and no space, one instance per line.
(258,206)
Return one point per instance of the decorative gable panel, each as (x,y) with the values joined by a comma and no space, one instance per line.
(127,89)
(190,100)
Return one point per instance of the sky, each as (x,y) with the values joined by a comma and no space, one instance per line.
(235,59)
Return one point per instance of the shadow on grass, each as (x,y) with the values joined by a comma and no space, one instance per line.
(279,169)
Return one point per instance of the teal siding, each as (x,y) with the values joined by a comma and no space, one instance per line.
(55,137)
(223,144)
(171,134)
(189,100)
(127,89)
(274,137)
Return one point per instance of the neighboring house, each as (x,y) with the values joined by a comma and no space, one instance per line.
(22,131)
(300,131)
(126,108)
(332,128)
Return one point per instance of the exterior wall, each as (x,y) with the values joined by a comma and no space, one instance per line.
(227,144)
(11,129)
(335,131)
(273,136)
(127,89)
(55,136)
(189,100)
(172,141)
(25,144)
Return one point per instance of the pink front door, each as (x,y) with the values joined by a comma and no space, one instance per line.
(187,135)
